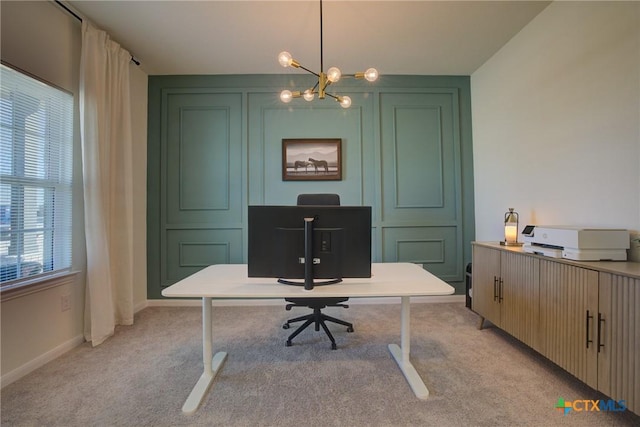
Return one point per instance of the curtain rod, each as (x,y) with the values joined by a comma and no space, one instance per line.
(79,18)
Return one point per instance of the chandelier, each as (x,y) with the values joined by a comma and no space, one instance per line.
(332,75)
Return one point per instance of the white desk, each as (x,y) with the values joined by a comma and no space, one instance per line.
(230,281)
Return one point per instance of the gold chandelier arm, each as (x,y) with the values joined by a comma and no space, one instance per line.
(308,70)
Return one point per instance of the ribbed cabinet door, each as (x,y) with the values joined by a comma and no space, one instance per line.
(486,270)
(520,297)
(619,356)
(568,318)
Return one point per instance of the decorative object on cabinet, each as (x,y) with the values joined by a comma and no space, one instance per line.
(312,159)
(511,228)
(332,75)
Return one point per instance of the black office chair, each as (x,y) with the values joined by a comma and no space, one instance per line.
(317,304)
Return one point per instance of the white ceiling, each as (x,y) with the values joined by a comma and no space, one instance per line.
(245,37)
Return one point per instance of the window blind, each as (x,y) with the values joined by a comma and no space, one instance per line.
(36,149)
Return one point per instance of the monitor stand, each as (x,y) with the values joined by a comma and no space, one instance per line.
(309,261)
(313,283)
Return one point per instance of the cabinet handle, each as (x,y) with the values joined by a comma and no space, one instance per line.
(501,287)
(600,322)
(587,321)
(495,288)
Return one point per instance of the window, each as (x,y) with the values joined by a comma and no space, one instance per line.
(36,147)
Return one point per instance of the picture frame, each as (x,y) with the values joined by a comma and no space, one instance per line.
(312,159)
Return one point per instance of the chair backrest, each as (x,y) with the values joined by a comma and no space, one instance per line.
(319,199)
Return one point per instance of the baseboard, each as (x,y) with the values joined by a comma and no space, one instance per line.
(40,361)
(178,302)
(140,306)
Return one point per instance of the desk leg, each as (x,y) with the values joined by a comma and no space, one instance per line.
(212,365)
(401,354)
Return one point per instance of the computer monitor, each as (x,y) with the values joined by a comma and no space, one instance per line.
(310,243)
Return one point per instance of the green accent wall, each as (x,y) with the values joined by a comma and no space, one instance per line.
(215,147)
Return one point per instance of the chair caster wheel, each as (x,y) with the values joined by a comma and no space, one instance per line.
(349,329)
(286,326)
(289,344)
(334,346)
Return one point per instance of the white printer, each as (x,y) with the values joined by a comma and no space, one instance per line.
(577,243)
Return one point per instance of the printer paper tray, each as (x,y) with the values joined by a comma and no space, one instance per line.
(543,250)
(577,254)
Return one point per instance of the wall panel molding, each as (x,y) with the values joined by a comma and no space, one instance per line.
(420,148)
(200,254)
(420,154)
(193,158)
(434,246)
(428,247)
(214,147)
(188,250)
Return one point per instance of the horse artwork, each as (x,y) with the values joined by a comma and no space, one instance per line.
(301,164)
(311,159)
(319,163)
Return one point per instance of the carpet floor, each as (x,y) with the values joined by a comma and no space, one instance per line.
(143,374)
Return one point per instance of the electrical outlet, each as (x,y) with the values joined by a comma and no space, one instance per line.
(65,303)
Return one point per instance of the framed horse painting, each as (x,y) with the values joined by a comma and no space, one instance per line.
(312,159)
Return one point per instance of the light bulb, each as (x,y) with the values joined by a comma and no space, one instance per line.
(308,95)
(333,74)
(345,101)
(285,59)
(371,75)
(286,96)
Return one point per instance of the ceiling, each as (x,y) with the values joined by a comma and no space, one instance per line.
(245,37)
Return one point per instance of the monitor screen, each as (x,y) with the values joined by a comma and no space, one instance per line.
(340,242)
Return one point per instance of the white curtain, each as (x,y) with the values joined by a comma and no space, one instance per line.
(105,126)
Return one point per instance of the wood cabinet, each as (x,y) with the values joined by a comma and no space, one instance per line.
(590,324)
(583,316)
(505,292)
(486,275)
(568,318)
(618,339)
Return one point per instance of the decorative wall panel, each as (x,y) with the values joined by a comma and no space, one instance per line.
(434,247)
(202,158)
(201,174)
(215,147)
(420,156)
(417,143)
(420,163)
(187,251)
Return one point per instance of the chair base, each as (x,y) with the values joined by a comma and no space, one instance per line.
(319,319)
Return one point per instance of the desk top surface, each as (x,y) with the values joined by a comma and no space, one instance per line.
(231,281)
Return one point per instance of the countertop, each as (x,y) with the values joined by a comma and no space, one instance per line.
(624,268)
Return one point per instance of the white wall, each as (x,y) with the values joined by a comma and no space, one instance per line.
(43,40)
(556,121)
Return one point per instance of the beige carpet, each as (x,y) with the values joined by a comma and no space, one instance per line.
(142,375)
